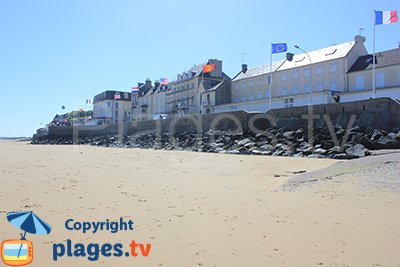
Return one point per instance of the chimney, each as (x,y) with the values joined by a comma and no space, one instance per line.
(148,83)
(156,84)
(359,39)
(244,68)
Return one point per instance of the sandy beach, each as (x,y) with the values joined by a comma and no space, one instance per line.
(200,209)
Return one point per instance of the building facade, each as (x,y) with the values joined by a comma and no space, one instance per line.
(340,72)
(111,107)
(322,72)
(196,91)
(387,76)
(193,92)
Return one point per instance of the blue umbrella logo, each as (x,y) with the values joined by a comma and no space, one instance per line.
(29,222)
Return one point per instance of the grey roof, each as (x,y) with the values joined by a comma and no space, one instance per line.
(317,56)
(215,87)
(110,94)
(382,59)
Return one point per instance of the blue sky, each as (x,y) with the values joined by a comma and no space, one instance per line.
(61,52)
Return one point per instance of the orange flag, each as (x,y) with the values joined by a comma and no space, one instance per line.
(208,68)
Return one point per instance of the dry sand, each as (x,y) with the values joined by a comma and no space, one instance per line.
(199,209)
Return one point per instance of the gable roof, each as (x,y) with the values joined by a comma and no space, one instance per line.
(382,59)
(316,56)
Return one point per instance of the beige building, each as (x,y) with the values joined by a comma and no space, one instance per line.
(111,107)
(387,76)
(315,77)
(149,102)
(323,71)
(195,92)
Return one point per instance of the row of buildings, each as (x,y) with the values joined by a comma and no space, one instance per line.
(339,72)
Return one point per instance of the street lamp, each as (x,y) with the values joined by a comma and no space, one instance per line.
(311,85)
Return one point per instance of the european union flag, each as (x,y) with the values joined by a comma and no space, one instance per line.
(279,48)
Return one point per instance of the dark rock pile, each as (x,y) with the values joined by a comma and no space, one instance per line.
(337,143)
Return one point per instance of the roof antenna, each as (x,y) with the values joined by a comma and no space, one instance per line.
(360,30)
(243,54)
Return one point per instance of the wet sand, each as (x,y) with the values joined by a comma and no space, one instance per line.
(199,209)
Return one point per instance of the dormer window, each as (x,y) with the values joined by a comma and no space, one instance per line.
(331,52)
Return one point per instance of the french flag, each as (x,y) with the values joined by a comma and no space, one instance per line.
(386,17)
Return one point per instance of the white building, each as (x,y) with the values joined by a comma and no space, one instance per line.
(150,101)
(315,77)
(293,80)
(111,107)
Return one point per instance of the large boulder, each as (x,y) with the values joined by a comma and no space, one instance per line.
(357,151)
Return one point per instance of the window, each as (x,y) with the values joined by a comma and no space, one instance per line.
(284,91)
(108,104)
(380,79)
(333,85)
(284,77)
(116,113)
(259,95)
(243,84)
(116,105)
(251,97)
(359,82)
(320,85)
(259,82)
(295,89)
(331,52)
(236,99)
(295,75)
(288,102)
(243,98)
(307,87)
(333,67)
(307,72)
(320,70)
(251,84)
(236,86)
(300,59)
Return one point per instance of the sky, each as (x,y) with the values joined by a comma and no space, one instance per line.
(57,53)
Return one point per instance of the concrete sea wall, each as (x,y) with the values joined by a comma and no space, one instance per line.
(382,113)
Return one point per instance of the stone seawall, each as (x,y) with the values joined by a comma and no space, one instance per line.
(382,113)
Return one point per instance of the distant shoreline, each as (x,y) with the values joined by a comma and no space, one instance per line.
(21,138)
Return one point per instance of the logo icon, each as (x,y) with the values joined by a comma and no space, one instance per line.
(20,252)
(17,252)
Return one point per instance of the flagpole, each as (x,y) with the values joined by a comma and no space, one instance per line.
(201,92)
(373,58)
(270,79)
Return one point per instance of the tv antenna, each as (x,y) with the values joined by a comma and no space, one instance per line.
(360,30)
(243,55)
